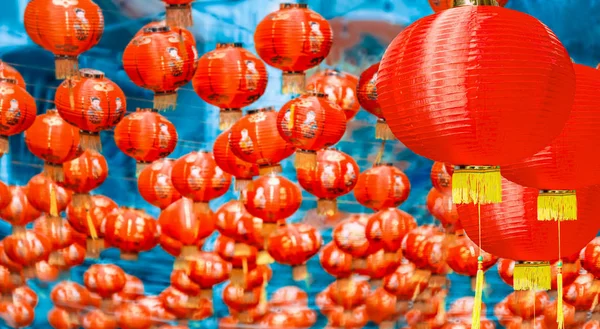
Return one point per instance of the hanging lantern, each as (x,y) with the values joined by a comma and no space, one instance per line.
(441,179)
(66,28)
(19,212)
(155,185)
(161,60)
(334,175)
(293,40)
(366,93)
(235,222)
(387,228)
(131,232)
(383,186)
(241,263)
(310,123)
(53,140)
(104,280)
(10,73)
(255,139)
(439,5)
(230,163)
(230,77)
(5,195)
(207,270)
(463,257)
(174,247)
(145,136)
(430,90)
(17,111)
(48,197)
(350,236)
(294,245)
(92,103)
(335,261)
(404,284)
(27,249)
(84,174)
(339,87)
(441,207)
(179,13)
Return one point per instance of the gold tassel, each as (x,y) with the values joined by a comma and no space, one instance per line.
(263,292)
(558,205)
(532,276)
(292,82)
(477,184)
(560,317)
(476,319)
(91,226)
(379,155)
(290,124)
(53,205)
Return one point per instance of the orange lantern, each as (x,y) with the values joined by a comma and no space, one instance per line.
(241,300)
(354,318)
(133,316)
(441,178)
(104,280)
(92,103)
(255,139)
(381,307)
(387,228)
(241,263)
(335,261)
(310,122)
(145,136)
(47,196)
(97,319)
(351,237)
(293,39)
(404,284)
(17,314)
(424,246)
(72,255)
(27,250)
(207,270)
(442,208)
(382,186)
(294,245)
(84,174)
(179,12)
(229,162)
(26,295)
(66,28)
(5,195)
(173,246)
(133,289)
(10,73)
(90,220)
(12,266)
(59,318)
(289,296)
(235,222)
(157,308)
(9,281)
(180,280)
(366,93)
(378,265)
(155,185)
(131,232)
(70,296)
(17,111)
(463,257)
(230,77)
(53,140)
(197,177)
(161,60)
(339,87)
(59,234)
(19,212)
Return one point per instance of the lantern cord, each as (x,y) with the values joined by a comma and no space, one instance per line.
(560,317)
(53,202)
(476,319)
(379,155)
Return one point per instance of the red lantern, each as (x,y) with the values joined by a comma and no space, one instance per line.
(155,185)
(161,60)
(60,235)
(335,261)
(173,246)
(241,263)
(145,136)
(294,245)
(92,103)
(17,314)
(310,123)
(339,87)
(53,140)
(404,284)
(381,307)
(5,196)
(255,139)
(27,250)
(229,162)
(90,220)
(230,77)
(366,93)
(70,295)
(104,279)
(235,222)
(591,256)
(19,212)
(383,186)
(439,5)
(17,111)
(10,73)
(566,163)
(47,196)
(133,316)
(84,174)
(179,12)
(66,28)
(197,177)
(293,39)
(424,246)
(430,90)
(207,270)
(441,178)
(351,237)
(131,232)
(443,209)
(463,257)
(387,228)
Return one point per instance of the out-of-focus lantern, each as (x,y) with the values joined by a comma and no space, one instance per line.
(382,186)
(179,12)
(366,93)
(230,163)
(155,185)
(339,87)
(17,111)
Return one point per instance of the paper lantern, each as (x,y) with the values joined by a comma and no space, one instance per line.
(230,163)
(179,12)
(92,103)
(294,245)
(441,207)
(185,34)
(84,174)
(463,257)
(19,212)
(230,77)
(255,138)
(310,122)
(27,249)
(90,220)
(155,185)
(567,163)
(67,28)
(335,261)
(145,136)
(456,87)
(441,179)
(10,73)
(439,5)
(366,93)
(47,196)
(53,140)
(293,39)
(104,279)
(382,186)
(207,270)
(235,222)
(387,228)
(161,60)
(17,111)
(339,87)
(131,232)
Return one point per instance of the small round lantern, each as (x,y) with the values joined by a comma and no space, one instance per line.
(48,197)
(339,87)
(17,111)
(155,185)
(19,211)
(84,174)
(382,186)
(131,232)
(294,245)
(366,92)
(230,163)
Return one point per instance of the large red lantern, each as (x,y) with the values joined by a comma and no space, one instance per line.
(155,185)
(92,103)
(339,87)
(293,39)
(230,163)
(310,122)
(179,13)
(230,77)
(67,28)
(10,73)
(17,111)
(161,60)
(255,138)
(382,186)
(145,136)
(567,163)
(366,93)
(456,87)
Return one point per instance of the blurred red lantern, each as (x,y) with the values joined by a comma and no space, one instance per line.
(591,257)
(366,93)
(179,12)
(104,279)
(53,140)
(239,299)
(349,293)
(354,318)
(145,136)
(381,307)
(70,296)
(230,163)
(288,296)
(230,77)
(47,196)
(133,289)
(131,232)
(235,222)
(92,103)
(17,111)
(351,237)
(155,184)
(378,265)
(19,212)
(161,60)
(293,39)
(58,232)
(27,250)
(439,5)
(9,281)
(387,228)
(59,318)
(339,87)
(91,221)
(25,295)
(173,246)
(133,316)
(383,186)
(207,270)
(424,246)
(5,196)
(527,304)
(10,73)
(463,257)
(335,261)
(334,175)
(513,122)
(294,245)
(97,319)
(73,255)
(241,262)
(65,28)
(84,174)
(443,209)
(157,309)
(441,178)
(404,284)
(255,139)
(583,293)
(310,123)
(17,314)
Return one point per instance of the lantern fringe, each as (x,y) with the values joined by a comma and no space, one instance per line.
(236,276)
(4,145)
(66,67)
(180,16)
(558,205)
(54,172)
(90,141)
(560,317)
(241,184)
(299,272)
(139,167)
(476,319)
(241,250)
(131,256)
(201,208)
(90,224)
(19,230)
(383,131)
(532,276)
(305,159)
(476,184)
(228,117)
(359,263)
(293,82)
(387,325)
(207,294)
(81,200)
(327,207)
(165,101)
(53,206)
(56,258)
(264,258)
(265,170)
(94,247)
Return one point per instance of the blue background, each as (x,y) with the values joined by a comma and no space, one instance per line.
(358,43)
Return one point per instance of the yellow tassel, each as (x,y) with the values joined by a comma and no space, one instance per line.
(477,184)
(53,205)
(379,155)
(476,319)
(290,124)
(560,317)
(532,276)
(558,205)
(91,226)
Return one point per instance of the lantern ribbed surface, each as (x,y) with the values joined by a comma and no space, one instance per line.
(339,87)
(17,111)
(476,85)
(9,72)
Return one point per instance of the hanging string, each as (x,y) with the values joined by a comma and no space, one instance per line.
(477,303)
(560,317)
(379,155)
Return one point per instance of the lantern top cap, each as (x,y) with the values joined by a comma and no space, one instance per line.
(264,109)
(9,80)
(292,5)
(155,29)
(229,44)
(464,3)
(51,111)
(145,110)
(91,73)
(315,93)
(382,164)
